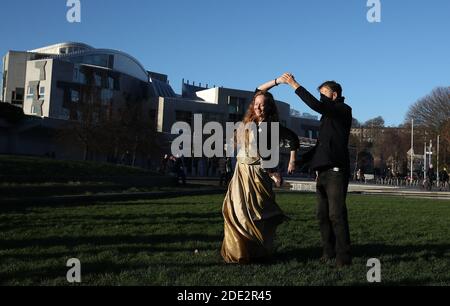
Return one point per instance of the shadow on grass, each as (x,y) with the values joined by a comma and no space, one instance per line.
(402,252)
(143,244)
(107,240)
(378,250)
(91,201)
(36,276)
(120,245)
(123,221)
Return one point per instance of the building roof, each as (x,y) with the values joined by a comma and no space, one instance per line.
(75,45)
(123,62)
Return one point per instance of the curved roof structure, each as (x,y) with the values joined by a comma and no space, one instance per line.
(84,54)
(65,46)
(121,62)
(80,53)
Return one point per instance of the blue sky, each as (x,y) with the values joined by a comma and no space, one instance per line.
(383,67)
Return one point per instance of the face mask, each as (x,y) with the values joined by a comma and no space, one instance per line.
(324,98)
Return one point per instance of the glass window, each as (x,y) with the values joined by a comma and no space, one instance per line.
(76,74)
(110,83)
(92,59)
(29,91)
(41,93)
(116,84)
(236,105)
(19,94)
(82,78)
(79,76)
(98,80)
(74,96)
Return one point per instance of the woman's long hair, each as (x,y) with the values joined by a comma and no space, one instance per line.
(270,109)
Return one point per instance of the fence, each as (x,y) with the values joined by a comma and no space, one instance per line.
(402,182)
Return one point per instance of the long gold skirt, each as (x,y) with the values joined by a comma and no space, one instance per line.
(251,215)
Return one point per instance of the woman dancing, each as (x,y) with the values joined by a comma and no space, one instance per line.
(251,215)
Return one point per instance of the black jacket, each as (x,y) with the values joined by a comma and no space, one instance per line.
(332,147)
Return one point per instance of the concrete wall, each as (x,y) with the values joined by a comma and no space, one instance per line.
(209,95)
(15,65)
(38,75)
(214,108)
(168,107)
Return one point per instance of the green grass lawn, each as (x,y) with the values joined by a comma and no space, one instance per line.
(153,242)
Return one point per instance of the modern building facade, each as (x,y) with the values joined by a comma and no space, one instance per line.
(54,82)
(50,82)
(215,104)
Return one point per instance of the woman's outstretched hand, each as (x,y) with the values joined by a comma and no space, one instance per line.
(282,80)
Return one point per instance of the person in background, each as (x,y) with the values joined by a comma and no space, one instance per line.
(444,179)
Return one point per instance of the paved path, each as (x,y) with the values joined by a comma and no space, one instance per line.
(292,185)
(301,185)
(308,186)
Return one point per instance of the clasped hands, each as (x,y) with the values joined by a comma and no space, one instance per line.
(287,78)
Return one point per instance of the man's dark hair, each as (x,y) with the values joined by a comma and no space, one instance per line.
(334,86)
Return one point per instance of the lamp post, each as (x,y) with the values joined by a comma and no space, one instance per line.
(412,149)
(431,152)
(425,161)
(437,161)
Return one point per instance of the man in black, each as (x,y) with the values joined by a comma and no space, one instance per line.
(330,159)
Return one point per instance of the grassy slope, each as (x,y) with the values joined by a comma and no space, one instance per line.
(153,243)
(48,168)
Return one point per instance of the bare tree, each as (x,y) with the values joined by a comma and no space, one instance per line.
(131,131)
(445,136)
(85,119)
(431,111)
(431,114)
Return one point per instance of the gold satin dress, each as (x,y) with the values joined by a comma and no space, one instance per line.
(251,215)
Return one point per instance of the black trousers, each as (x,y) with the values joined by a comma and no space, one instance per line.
(332,214)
